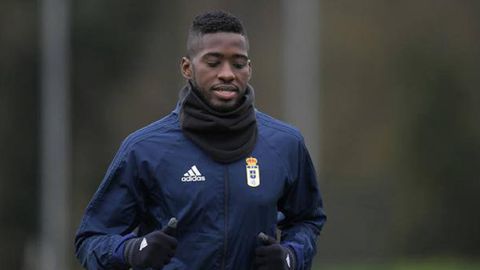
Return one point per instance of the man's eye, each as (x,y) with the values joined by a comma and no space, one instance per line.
(239,65)
(213,64)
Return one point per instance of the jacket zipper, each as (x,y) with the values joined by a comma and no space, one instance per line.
(225,239)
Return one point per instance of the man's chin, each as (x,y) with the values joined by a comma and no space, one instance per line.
(224,106)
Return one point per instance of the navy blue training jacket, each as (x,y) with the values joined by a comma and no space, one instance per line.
(158,173)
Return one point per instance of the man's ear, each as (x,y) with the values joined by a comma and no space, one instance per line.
(186,68)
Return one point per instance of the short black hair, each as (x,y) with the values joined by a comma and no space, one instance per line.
(213,22)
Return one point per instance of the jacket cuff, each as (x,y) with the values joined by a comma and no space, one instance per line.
(118,257)
(295,251)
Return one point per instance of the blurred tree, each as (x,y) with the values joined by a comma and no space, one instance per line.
(19,58)
(442,146)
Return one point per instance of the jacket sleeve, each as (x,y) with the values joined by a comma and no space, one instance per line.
(302,208)
(111,216)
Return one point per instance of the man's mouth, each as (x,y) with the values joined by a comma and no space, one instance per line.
(225,92)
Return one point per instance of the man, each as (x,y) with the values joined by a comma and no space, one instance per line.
(202,187)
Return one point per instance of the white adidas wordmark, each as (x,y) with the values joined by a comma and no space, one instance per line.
(193,175)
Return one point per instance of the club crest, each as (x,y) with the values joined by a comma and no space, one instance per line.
(253,172)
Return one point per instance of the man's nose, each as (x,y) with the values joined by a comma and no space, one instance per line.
(226,73)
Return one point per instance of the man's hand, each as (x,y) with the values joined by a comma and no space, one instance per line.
(272,255)
(155,249)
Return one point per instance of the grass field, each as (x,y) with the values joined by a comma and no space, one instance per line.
(440,264)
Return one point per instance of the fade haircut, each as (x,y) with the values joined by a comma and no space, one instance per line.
(212,22)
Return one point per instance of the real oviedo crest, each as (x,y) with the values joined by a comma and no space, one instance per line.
(253,172)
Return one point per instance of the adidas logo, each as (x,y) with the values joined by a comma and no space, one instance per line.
(193,175)
(144,244)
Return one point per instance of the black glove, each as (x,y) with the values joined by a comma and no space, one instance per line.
(272,255)
(155,249)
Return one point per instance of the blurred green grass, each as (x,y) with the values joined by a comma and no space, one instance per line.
(433,264)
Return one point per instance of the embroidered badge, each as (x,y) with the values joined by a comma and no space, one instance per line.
(253,172)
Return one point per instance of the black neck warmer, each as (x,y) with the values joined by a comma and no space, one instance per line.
(225,136)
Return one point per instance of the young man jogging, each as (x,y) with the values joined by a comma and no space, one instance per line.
(202,187)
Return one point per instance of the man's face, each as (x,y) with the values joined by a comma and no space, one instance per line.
(219,69)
